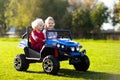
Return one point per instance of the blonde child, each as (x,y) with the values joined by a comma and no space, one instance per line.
(37,37)
(49,25)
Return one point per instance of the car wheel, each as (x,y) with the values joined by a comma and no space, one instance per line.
(20,63)
(83,65)
(50,64)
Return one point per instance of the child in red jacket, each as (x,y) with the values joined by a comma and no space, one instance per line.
(37,37)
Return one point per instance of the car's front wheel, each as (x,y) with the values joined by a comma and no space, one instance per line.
(20,63)
(50,64)
(83,65)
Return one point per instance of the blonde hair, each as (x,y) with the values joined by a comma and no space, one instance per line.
(48,19)
(37,22)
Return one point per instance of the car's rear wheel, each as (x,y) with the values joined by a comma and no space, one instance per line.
(83,65)
(50,64)
(20,63)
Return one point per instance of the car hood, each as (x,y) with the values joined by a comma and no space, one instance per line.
(63,41)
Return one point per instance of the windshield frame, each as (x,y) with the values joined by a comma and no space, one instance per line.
(57,31)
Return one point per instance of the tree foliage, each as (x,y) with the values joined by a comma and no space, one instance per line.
(87,18)
(116,14)
(20,13)
(54,8)
(3,27)
(99,15)
(3,6)
(80,16)
(81,22)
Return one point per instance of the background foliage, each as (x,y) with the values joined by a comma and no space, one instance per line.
(82,17)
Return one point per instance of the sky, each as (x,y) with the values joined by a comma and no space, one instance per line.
(110,5)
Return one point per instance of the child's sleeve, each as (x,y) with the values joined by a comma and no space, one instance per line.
(34,36)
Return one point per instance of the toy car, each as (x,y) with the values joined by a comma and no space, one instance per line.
(53,51)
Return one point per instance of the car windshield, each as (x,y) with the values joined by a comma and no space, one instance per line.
(59,34)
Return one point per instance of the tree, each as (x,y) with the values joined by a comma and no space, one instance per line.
(54,8)
(88,18)
(116,14)
(81,22)
(2,10)
(99,15)
(3,5)
(21,13)
(67,21)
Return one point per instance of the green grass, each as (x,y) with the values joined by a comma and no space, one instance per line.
(104,62)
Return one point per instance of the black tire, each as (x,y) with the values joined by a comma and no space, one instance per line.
(20,63)
(50,64)
(83,65)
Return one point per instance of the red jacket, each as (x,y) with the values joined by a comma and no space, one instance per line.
(36,39)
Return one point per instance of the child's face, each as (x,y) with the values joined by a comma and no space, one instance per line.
(40,27)
(50,25)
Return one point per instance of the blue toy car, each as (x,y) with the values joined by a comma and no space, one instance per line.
(55,50)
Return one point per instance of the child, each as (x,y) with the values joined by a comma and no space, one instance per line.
(37,37)
(49,25)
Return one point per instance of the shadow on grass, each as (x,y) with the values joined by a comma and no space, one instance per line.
(92,75)
(37,72)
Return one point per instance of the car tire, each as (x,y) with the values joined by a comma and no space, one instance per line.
(20,63)
(50,64)
(83,65)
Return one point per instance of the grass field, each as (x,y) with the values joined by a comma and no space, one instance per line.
(104,62)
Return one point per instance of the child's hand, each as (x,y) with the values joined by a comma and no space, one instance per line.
(54,37)
(44,40)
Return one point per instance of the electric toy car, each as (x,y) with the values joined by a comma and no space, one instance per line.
(53,51)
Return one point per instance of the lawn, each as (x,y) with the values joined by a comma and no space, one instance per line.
(104,62)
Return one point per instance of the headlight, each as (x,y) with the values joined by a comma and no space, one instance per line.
(72,48)
(62,46)
(77,48)
(58,45)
